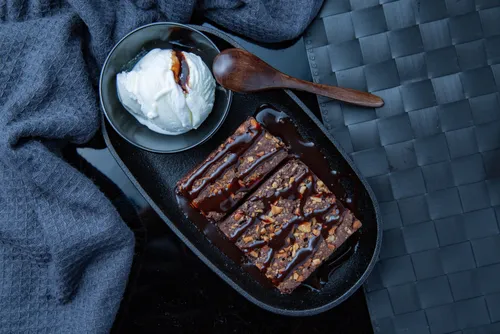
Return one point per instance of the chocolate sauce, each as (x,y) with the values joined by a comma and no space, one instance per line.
(327,217)
(223,200)
(241,143)
(182,77)
(279,125)
(220,241)
(319,278)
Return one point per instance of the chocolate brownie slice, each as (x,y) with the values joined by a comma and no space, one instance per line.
(223,179)
(290,225)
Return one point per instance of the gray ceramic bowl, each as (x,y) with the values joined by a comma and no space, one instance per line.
(126,53)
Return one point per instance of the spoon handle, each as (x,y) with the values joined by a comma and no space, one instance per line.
(338,93)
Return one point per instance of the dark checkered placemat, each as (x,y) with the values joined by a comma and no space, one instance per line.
(431,154)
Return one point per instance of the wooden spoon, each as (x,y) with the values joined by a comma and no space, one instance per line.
(241,71)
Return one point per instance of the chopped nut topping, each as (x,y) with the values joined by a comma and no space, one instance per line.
(292,179)
(302,189)
(276,210)
(305,227)
(316,199)
(295,276)
(248,239)
(250,159)
(295,246)
(263,231)
(254,254)
(316,262)
(356,225)
(238,215)
(268,219)
(331,238)
(274,185)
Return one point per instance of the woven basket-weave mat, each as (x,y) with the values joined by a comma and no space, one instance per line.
(431,154)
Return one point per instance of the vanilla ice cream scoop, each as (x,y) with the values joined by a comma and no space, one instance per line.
(170,92)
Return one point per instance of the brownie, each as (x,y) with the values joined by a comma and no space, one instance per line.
(223,179)
(290,225)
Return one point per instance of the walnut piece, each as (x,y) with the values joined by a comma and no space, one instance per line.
(276,210)
(316,199)
(332,238)
(238,215)
(356,225)
(305,227)
(248,239)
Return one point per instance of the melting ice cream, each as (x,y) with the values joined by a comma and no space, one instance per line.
(170,92)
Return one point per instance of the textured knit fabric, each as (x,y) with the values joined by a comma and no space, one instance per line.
(263,20)
(65,254)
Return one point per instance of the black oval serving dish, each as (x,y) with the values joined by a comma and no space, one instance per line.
(156,175)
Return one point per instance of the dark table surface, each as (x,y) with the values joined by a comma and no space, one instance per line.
(170,289)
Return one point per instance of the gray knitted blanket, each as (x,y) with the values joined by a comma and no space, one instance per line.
(65,254)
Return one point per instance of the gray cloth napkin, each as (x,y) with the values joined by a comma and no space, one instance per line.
(65,254)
